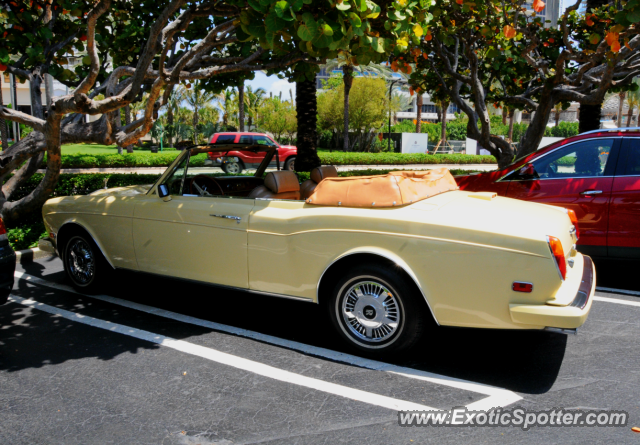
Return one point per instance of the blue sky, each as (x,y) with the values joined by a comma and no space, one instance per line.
(275,85)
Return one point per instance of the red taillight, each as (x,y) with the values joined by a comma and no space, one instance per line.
(3,229)
(558,254)
(519,286)
(574,221)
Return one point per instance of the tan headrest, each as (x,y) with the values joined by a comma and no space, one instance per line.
(282,182)
(319,173)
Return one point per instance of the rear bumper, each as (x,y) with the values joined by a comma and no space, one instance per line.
(571,316)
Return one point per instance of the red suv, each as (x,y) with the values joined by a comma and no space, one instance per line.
(595,174)
(234,162)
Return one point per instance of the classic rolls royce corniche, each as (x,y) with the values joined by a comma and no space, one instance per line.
(387,255)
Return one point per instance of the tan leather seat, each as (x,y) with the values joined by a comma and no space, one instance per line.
(317,175)
(278,185)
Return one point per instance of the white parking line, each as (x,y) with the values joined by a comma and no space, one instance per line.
(617,291)
(498,397)
(617,301)
(230,360)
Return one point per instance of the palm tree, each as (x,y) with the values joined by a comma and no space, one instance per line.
(252,101)
(348,64)
(197,98)
(633,100)
(173,105)
(226,105)
(241,106)
(307,115)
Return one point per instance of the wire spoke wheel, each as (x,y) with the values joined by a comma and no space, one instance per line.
(370,311)
(81,261)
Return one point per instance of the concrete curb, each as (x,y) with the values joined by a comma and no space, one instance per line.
(29,255)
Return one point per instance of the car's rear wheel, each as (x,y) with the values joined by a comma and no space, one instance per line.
(290,164)
(233,168)
(84,264)
(377,311)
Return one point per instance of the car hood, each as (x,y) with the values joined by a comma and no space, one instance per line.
(131,190)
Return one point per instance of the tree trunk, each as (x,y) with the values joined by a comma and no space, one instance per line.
(443,123)
(127,120)
(307,113)
(589,117)
(3,128)
(535,131)
(347,71)
(419,101)
(169,122)
(629,116)
(557,120)
(512,112)
(241,106)
(14,101)
(621,97)
(504,115)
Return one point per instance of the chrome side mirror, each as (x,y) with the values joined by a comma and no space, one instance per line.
(163,192)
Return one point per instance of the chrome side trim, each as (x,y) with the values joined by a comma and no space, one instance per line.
(383,256)
(92,237)
(553,151)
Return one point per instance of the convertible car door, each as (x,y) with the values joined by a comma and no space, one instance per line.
(198,238)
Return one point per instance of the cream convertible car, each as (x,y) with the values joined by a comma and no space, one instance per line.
(386,254)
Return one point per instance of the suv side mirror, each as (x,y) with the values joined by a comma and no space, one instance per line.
(163,192)
(527,170)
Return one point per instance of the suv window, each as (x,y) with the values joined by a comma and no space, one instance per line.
(580,160)
(245,139)
(631,159)
(226,139)
(262,140)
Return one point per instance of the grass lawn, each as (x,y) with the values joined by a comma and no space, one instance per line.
(96,149)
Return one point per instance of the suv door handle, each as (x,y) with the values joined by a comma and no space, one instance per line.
(235,218)
(591,192)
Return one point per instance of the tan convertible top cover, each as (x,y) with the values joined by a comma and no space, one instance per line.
(392,189)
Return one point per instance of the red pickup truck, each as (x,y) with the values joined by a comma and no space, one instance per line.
(237,161)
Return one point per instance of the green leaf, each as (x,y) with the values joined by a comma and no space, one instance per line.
(361,5)
(281,8)
(344,6)
(273,22)
(256,29)
(258,6)
(634,16)
(308,28)
(355,20)
(395,15)
(325,29)
(377,44)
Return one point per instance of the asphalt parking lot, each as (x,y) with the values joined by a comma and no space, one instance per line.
(158,361)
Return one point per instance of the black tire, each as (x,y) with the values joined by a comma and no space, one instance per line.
(233,168)
(84,264)
(402,300)
(290,164)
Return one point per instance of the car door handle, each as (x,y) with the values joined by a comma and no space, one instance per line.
(235,218)
(591,192)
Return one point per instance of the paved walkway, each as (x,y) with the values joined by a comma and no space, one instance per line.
(159,170)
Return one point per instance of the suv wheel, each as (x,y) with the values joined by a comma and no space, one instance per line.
(233,168)
(290,164)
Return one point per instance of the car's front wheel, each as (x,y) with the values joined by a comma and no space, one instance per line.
(377,311)
(84,264)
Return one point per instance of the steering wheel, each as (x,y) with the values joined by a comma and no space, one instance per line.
(202,184)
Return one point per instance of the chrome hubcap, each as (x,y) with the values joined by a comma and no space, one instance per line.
(371,311)
(81,261)
(233,167)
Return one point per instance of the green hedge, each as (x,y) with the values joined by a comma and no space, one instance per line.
(334,158)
